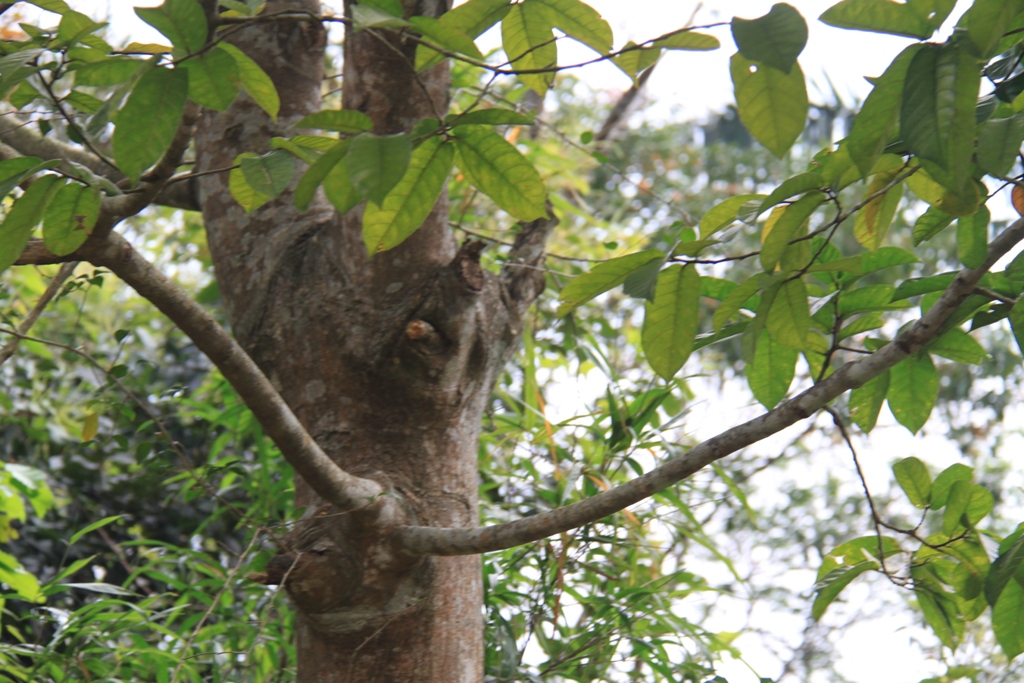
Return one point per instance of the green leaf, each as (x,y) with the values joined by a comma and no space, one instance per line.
(789,319)
(1017,322)
(183,22)
(339,189)
(688,40)
(869,298)
(771,371)
(377,162)
(23,217)
(254,80)
(734,300)
(670,321)
(972,238)
(490,117)
(923,285)
(269,174)
(410,202)
(106,72)
(74,26)
(987,21)
(392,7)
(70,218)
(937,119)
(212,79)
(772,104)
(913,390)
(471,18)
(92,527)
(1005,567)
(913,18)
(240,188)
(529,44)
(938,608)
(723,214)
(931,223)
(579,21)
(999,143)
(1008,620)
(956,506)
(779,232)
(798,184)
(957,345)
(886,257)
(366,16)
(446,37)
(14,171)
(876,123)
(845,563)
(55,6)
(149,118)
(634,59)
(871,224)
(944,482)
(912,476)
(866,401)
(775,40)
(317,172)
(601,278)
(642,282)
(19,580)
(341,120)
(500,171)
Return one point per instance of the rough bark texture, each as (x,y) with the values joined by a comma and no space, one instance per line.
(388,362)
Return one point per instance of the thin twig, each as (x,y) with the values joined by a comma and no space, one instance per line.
(26,324)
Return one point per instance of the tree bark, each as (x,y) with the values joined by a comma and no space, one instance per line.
(387,361)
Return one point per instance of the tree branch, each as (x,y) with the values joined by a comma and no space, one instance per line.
(451,541)
(332,483)
(20,137)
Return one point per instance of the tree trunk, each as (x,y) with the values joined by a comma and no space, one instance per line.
(388,362)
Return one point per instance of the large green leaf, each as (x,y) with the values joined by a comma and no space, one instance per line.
(670,322)
(410,202)
(341,120)
(791,187)
(972,237)
(13,171)
(772,104)
(734,301)
(318,170)
(240,188)
(688,40)
(775,40)
(496,168)
(494,116)
(23,217)
(70,217)
(182,21)
(845,563)
(445,36)
(149,118)
(789,319)
(937,118)
(471,18)
(931,223)
(377,162)
(723,214)
(577,20)
(1004,569)
(913,390)
(999,143)
(212,79)
(876,123)
(634,59)
(783,226)
(269,174)
(987,21)
(866,401)
(529,44)
(913,477)
(957,345)
(871,224)
(1008,619)
(602,277)
(254,80)
(913,18)
(944,482)
(772,370)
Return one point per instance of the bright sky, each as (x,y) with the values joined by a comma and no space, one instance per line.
(695,84)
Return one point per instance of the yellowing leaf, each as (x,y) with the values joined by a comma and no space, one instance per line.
(90,426)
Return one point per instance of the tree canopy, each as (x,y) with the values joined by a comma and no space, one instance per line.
(494,234)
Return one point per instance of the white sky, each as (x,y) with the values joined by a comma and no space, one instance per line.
(691,85)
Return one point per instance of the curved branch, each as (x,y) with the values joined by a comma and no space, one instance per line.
(451,541)
(332,483)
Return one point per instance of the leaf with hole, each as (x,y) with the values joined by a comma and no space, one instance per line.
(70,217)
(772,104)
(775,40)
